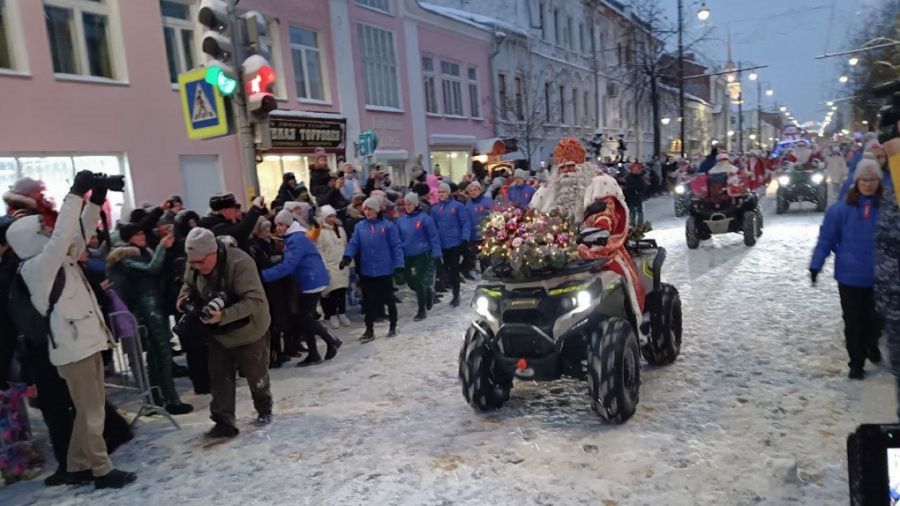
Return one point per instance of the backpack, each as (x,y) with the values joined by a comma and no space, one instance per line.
(32,325)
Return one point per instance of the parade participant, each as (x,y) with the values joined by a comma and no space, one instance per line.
(135,271)
(376,247)
(281,294)
(836,170)
(237,330)
(78,332)
(302,262)
(223,218)
(757,171)
(849,230)
(565,189)
(331,244)
(606,209)
(454,226)
(421,248)
(479,207)
(520,193)
(26,197)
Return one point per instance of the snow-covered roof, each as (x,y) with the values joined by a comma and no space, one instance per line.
(687,95)
(477,20)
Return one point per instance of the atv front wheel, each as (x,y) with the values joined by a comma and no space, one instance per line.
(691,233)
(484,384)
(614,370)
(750,228)
(822,200)
(665,326)
(759,222)
(781,203)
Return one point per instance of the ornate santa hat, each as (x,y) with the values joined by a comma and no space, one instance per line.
(568,151)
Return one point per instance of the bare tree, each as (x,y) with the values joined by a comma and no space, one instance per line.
(524,112)
(875,66)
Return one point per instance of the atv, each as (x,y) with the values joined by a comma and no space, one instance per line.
(682,196)
(576,322)
(718,209)
(802,183)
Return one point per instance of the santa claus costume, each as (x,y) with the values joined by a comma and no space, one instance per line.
(614,219)
(757,170)
(564,190)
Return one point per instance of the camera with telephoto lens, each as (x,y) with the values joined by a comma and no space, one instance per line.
(112,183)
(873,465)
(890,114)
(195,312)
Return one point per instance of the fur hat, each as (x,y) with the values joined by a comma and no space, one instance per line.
(222,201)
(128,230)
(867,167)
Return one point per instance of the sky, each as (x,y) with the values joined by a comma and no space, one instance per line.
(786,35)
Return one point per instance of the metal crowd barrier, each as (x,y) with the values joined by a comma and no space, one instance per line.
(129,381)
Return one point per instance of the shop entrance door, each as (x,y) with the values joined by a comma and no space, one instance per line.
(201,177)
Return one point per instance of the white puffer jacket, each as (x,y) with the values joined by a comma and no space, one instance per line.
(77,321)
(331,247)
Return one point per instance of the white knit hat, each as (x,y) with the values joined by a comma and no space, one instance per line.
(327,211)
(444,187)
(867,167)
(373,203)
(284,217)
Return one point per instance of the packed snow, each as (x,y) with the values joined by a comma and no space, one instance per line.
(755,410)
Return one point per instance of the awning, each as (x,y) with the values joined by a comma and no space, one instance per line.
(449,140)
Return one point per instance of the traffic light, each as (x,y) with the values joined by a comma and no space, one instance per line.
(217,44)
(259,79)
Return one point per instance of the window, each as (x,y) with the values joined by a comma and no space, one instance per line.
(178,30)
(431,105)
(547,93)
(556,25)
(520,92)
(376,52)
(581,38)
(451,85)
(504,105)
(541,19)
(562,105)
(307,60)
(569,43)
(474,98)
(619,52)
(6,56)
(378,5)
(79,32)
(587,109)
(575,106)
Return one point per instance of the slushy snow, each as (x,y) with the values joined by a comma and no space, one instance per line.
(756,409)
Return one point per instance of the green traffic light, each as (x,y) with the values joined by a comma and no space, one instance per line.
(226,84)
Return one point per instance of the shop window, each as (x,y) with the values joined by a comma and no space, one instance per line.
(272,167)
(79,36)
(307,57)
(57,174)
(454,164)
(178,31)
(379,64)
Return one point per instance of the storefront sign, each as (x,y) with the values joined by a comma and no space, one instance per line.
(302,133)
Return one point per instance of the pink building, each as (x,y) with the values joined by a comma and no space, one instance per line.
(89,84)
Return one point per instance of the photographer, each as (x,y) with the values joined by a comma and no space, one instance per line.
(223,218)
(237,331)
(78,334)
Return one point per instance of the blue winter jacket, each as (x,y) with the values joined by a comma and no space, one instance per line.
(301,260)
(850,234)
(453,222)
(520,195)
(419,235)
(379,248)
(478,208)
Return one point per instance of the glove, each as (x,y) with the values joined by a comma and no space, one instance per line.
(813,275)
(345,262)
(98,194)
(83,182)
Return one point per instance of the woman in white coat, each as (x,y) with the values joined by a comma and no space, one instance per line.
(331,244)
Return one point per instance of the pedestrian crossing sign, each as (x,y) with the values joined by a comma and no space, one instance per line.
(204,108)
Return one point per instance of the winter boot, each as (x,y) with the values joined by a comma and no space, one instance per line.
(856,373)
(874,355)
(115,479)
(429,299)
(334,344)
(368,335)
(344,320)
(455,301)
(333,322)
(310,360)
(420,315)
(392,332)
(263,419)
(222,430)
(179,408)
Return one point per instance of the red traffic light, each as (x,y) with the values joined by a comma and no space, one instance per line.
(263,81)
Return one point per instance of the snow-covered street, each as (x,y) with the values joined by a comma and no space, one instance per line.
(756,409)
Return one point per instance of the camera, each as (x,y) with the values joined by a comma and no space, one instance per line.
(191,322)
(112,183)
(873,465)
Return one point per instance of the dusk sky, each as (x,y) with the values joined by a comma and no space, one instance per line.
(785,35)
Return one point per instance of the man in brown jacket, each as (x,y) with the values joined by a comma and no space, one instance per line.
(237,332)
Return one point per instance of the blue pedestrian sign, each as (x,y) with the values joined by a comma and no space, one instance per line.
(368,142)
(204,108)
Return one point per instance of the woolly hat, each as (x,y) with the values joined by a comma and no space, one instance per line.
(412,198)
(327,211)
(373,203)
(867,167)
(26,185)
(444,187)
(200,241)
(475,184)
(290,206)
(520,174)
(128,230)
(262,224)
(284,217)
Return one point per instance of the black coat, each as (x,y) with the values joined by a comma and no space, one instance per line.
(634,189)
(284,299)
(318,181)
(240,231)
(334,198)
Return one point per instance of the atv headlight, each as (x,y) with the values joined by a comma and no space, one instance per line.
(680,189)
(483,306)
(583,301)
(818,178)
(784,180)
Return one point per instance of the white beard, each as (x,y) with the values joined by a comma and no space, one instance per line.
(802,155)
(568,194)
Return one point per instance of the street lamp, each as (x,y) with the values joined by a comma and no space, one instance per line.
(730,133)
(843,79)
(665,121)
(770,92)
(829,103)
(753,76)
(782,109)
(703,13)
(853,60)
